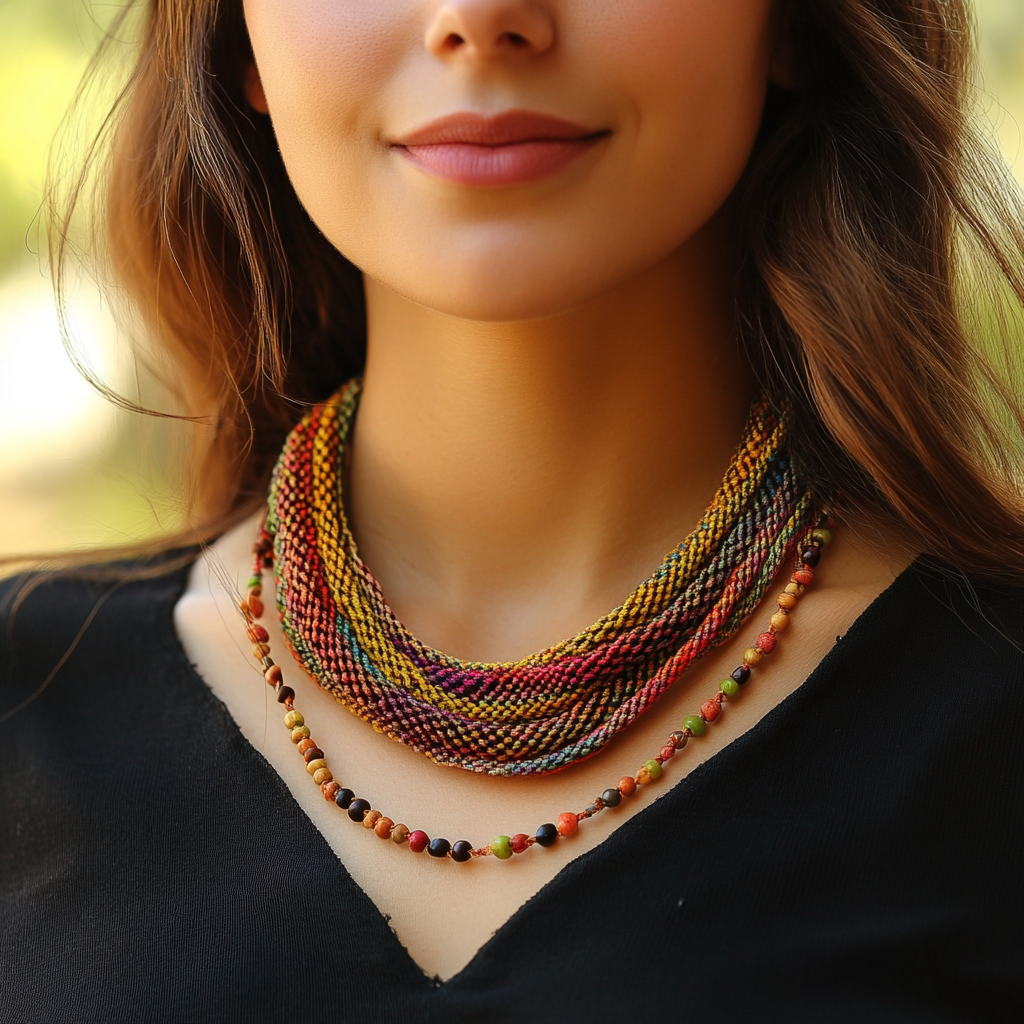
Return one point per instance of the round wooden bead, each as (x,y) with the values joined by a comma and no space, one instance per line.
(501,847)
(787,601)
(810,556)
(285,693)
(779,621)
(312,752)
(822,536)
(255,605)
(766,642)
(462,851)
(627,786)
(315,765)
(679,738)
(399,834)
(547,835)
(611,797)
(370,819)
(650,771)
(520,842)
(439,848)
(730,687)
(418,841)
(741,674)
(322,775)
(300,733)
(330,789)
(293,718)
(258,634)
(568,824)
(358,808)
(752,657)
(695,724)
(343,798)
(804,576)
(795,589)
(273,675)
(710,710)
(382,830)
(306,744)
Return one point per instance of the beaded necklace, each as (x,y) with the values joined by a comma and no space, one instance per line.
(553,708)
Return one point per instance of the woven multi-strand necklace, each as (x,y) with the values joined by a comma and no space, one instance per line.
(554,708)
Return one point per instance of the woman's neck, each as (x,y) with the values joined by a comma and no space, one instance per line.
(512,482)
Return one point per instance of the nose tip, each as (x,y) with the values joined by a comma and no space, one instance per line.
(488,29)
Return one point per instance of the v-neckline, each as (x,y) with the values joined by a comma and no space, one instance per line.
(625,835)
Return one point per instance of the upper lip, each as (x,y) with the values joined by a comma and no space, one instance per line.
(503,129)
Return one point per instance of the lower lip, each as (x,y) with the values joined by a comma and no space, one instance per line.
(512,164)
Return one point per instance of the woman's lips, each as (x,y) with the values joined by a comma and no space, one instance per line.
(507,149)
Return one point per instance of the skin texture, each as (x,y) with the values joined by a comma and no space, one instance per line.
(552,391)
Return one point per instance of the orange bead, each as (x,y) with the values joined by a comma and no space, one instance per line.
(787,601)
(370,819)
(568,824)
(779,621)
(766,642)
(257,634)
(627,786)
(803,576)
(330,790)
(306,744)
(383,828)
(255,606)
(273,675)
(710,710)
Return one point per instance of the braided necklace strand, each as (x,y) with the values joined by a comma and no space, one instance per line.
(562,704)
(698,597)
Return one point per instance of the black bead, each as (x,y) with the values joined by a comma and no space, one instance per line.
(439,847)
(358,808)
(741,674)
(461,851)
(284,693)
(810,556)
(344,798)
(611,797)
(547,835)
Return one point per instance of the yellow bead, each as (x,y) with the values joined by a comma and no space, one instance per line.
(779,621)
(370,819)
(787,601)
(752,656)
(322,775)
(293,718)
(315,765)
(300,733)
(796,589)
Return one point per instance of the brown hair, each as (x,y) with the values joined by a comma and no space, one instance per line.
(875,224)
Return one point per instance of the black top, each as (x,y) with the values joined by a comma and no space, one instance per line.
(857,856)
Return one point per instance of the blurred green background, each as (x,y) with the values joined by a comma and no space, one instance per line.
(74,471)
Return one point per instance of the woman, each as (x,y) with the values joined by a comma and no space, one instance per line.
(561,266)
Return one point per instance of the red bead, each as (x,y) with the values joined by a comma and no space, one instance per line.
(258,634)
(668,751)
(803,576)
(255,606)
(418,841)
(766,642)
(568,824)
(520,843)
(710,710)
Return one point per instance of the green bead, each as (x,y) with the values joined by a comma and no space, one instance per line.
(695,724)
(254,581)
(822,536)
(730,687)
(653,769)
(502,847)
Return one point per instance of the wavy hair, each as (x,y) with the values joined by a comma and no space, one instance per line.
(879,232)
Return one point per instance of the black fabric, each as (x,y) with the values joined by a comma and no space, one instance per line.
(856,857)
